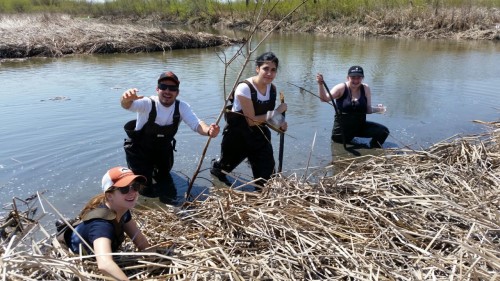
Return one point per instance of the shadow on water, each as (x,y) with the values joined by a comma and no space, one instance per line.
(355,149)
(171,191)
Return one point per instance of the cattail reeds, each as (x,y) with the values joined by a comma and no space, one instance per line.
(407,215)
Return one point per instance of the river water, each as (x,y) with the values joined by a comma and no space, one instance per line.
(62,122)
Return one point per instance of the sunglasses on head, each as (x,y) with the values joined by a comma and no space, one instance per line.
(126,189)
(164,87)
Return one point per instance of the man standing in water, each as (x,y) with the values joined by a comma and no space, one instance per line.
(150,147)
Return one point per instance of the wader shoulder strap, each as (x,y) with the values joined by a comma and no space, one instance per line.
(175,123)
(340,100)
(152,112)
(100,213)
(346,92)
(177,114)
(253,92)
(176,117)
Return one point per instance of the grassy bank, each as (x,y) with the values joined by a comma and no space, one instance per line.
(464,19)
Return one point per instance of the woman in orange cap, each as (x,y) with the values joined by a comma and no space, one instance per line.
(106,218)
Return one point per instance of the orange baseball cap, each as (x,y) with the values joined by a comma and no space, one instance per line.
(119,177)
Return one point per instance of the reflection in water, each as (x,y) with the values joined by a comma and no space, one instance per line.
(164,189)
(359,147)
(432,89)
(167,191)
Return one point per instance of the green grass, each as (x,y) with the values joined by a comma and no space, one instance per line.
(213,9)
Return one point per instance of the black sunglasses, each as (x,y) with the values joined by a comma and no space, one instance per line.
(126,189)
(164,87)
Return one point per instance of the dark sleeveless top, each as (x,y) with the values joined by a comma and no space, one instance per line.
(352,113)
(347,105)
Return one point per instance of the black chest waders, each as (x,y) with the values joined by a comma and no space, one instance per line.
(237,120)
(150,151)
(242,141)
(350,117)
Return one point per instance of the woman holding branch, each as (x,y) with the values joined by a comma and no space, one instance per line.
(353,99)
(246,134)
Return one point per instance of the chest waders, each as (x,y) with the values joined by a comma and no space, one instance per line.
(150,151)
(64,232)
(236,119)
(356,123)
(351,116)
(242,141)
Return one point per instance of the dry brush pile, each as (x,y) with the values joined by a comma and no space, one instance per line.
(408,215)
(467,23)
(57,35)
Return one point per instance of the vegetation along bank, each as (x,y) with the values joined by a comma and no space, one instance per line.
(59,27)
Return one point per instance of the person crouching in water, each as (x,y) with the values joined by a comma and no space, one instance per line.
(246,134)
(353,99)
(105,219)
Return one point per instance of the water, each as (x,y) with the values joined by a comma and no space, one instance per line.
(432,90)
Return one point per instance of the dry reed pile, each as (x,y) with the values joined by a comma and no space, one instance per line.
(57,35)
(468,23)
(409,215)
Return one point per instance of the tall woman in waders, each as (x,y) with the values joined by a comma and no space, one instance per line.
(354,100)
(246,135)
(106,218)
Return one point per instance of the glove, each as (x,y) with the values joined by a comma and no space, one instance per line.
(274,118)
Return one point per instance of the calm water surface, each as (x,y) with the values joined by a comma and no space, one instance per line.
(432,89)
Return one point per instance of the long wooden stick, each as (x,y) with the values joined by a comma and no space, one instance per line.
(282,139)
(337,113)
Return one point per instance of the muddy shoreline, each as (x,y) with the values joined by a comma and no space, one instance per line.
(60,35)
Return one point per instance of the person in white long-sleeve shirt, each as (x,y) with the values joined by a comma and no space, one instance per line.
(149,148)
